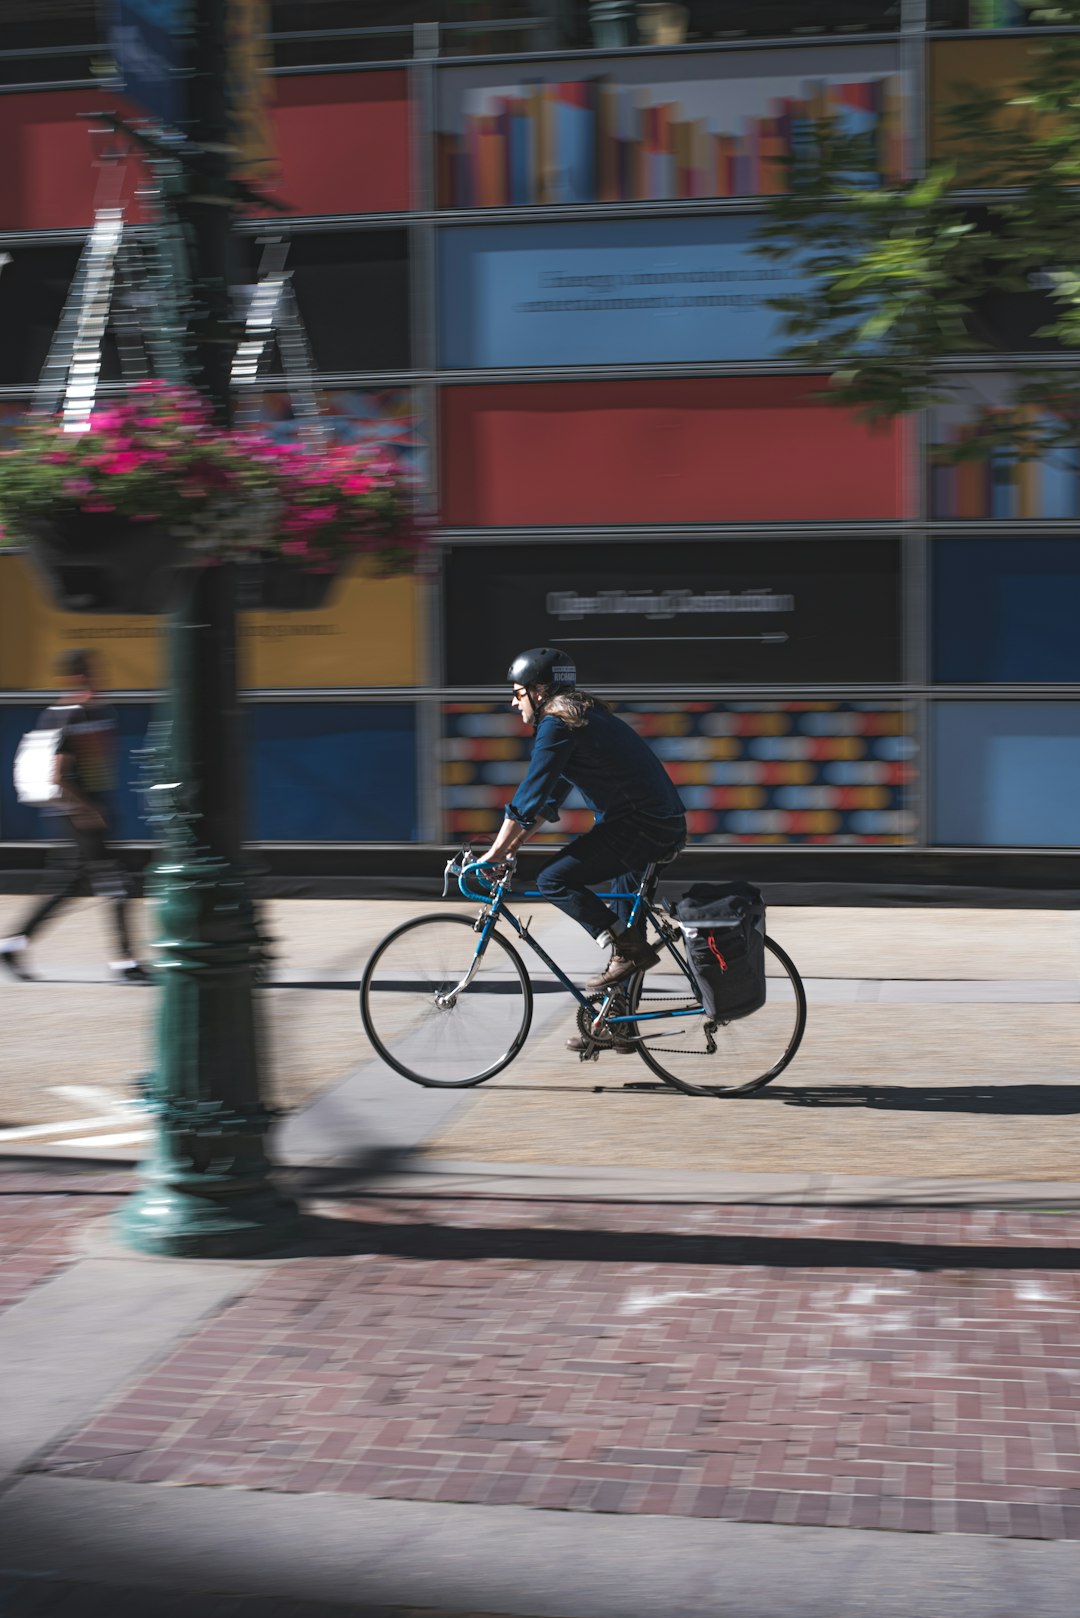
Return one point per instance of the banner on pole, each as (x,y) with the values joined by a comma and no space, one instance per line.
(250,84)
(151,41)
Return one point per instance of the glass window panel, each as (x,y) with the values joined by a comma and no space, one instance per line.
(1006,609)
(352,290)
(1006,774)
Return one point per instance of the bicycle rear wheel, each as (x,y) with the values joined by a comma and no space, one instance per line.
(421,1036)
(748,1053)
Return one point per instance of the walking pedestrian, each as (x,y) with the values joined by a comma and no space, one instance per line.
(84,771)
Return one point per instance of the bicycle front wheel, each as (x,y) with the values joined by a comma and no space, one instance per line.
(446,1043)
(746,1054)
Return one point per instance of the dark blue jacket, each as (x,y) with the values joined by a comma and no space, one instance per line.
(616,773)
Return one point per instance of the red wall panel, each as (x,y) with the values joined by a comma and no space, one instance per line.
(342,145)
(343,142)
(48,176)
(732,449)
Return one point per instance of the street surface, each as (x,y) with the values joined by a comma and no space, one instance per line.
(940,1043)
(560,1347)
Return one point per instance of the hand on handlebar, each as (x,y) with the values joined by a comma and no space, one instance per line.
(490,872)
(502,867)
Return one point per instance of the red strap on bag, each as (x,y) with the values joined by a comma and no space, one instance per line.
(714,951)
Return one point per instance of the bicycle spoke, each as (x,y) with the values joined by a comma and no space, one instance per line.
(424,1023)
(744,1055)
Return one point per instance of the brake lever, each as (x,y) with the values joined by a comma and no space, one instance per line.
(453,868)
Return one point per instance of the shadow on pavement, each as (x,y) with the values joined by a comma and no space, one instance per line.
(46,1596)
(354,1234)
(1028,1100)
(351,1172)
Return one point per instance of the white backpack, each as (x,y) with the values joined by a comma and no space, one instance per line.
(35,767)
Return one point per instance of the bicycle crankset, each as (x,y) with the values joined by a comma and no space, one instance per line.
(604,1038)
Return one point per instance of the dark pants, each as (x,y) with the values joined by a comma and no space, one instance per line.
(87,865)
(614,853)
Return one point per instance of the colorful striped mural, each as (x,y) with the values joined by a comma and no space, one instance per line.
(1002,486)
(748,772)
(599,140)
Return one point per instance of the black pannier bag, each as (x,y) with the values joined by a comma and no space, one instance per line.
(724,928)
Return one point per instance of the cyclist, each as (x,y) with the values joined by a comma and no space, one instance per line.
(639,817)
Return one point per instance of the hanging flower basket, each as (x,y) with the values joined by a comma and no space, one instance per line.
(97,562)
(109,515)
(333,507)
(270,583)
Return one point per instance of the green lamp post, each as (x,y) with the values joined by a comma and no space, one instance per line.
(207,1188)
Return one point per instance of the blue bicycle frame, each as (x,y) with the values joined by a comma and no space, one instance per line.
(494,901)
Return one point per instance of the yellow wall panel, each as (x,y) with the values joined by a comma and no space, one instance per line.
(32,633)
(369,634)
(955,65)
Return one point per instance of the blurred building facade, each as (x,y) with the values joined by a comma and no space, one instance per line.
(520,241)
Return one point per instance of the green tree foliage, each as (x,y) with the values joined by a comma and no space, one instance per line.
(898,273)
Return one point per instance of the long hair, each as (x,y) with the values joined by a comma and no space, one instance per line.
(573,707)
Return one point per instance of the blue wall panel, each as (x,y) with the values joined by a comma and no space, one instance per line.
(1006,609)
(1006,774)
(319,772)
(332,772)
(611,292)
(19,824)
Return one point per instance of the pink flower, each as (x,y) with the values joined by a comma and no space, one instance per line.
(75,487)
(302,517)
(57,457)
(294,547)
(125,461)
(357,483)
(106,421)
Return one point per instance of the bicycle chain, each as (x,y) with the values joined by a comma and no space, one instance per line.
(642,1040)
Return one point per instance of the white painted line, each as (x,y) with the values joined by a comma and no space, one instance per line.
(32,1131)
(98,1095)
(107,1140)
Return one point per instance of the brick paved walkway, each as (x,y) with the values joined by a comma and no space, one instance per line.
(40,1220)
(894,1369)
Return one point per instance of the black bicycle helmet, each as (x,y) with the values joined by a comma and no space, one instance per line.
(543,665)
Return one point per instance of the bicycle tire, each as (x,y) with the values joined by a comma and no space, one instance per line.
(737,1043)
(399,1033)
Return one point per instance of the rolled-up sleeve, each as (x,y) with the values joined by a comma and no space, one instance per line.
(544,788)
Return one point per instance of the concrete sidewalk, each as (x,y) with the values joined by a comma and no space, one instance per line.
(941,1059)
(534,1406)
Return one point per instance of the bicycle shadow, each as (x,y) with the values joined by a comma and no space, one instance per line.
(1006,1100)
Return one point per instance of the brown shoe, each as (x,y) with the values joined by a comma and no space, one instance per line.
(631,955)
(622,1047)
